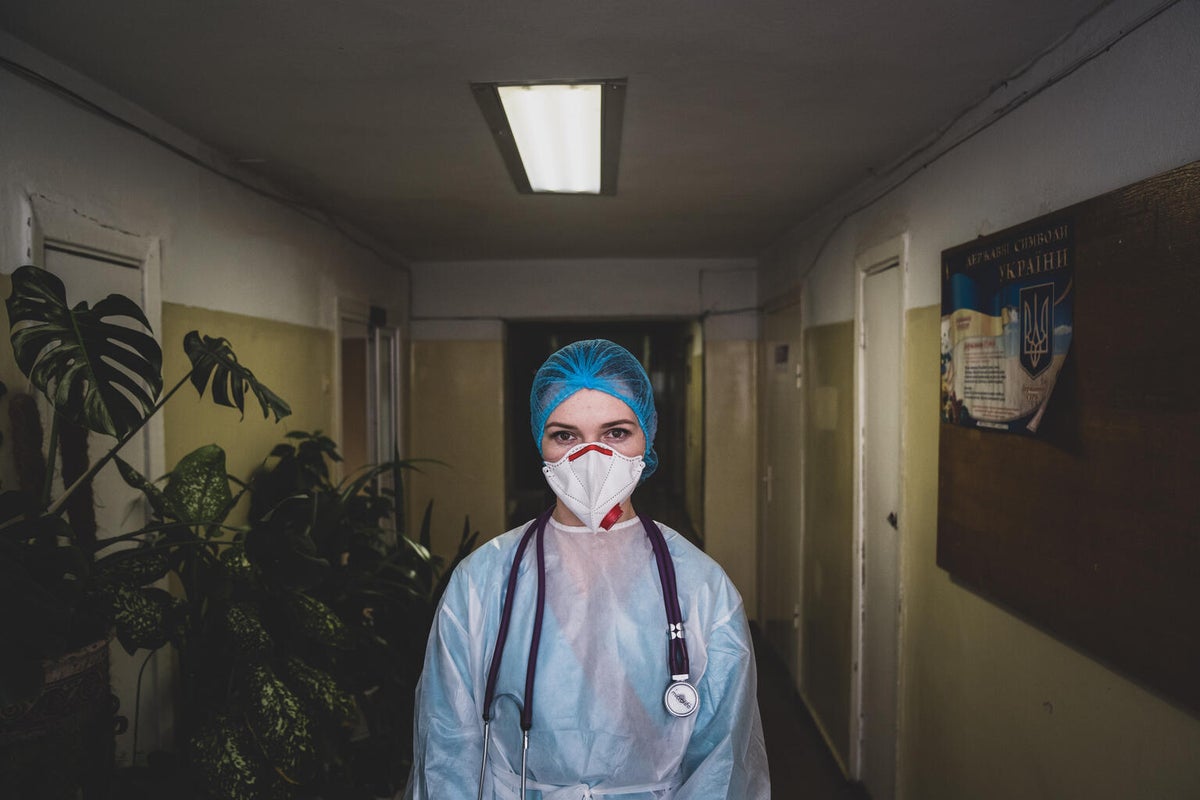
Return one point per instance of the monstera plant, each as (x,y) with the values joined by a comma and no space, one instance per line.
(100,369)
(299,634)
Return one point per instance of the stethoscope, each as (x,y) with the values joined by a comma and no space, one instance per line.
(681,698)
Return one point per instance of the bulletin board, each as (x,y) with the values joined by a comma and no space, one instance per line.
(1090,529)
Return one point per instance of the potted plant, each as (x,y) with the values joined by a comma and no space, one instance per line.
(299,634)
(100,369)
(304,633)
(381,583)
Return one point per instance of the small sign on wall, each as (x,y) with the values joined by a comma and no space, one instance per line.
(1007,317)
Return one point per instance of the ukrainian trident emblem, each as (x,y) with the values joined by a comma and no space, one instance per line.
(1037,327)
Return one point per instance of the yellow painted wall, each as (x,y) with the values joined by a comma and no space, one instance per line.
(730,460)
(295,361)
(828,528)
(992,708)
(456,413)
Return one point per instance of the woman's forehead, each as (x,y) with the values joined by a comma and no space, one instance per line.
(590,406)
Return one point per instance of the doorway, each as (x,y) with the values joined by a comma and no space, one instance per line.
(880,329)
(94,260)
(369,390)
(671,351)
(781,589)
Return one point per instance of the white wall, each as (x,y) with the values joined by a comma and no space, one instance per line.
(1128,114)
(467,299)
(220,246)
(223,247)
(991,708)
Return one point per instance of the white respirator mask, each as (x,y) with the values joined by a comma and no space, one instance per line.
(593,481)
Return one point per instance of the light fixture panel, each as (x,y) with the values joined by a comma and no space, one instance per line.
(557,137)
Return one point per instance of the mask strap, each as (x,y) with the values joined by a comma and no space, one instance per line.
(611,517)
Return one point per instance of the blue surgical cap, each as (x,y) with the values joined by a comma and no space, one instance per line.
(601,365)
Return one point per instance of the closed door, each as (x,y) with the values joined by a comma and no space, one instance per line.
(782,485)
(880,391)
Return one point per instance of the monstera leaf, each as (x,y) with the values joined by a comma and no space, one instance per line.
(215,359)
(104,375)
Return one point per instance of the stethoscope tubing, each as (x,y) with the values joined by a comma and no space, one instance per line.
(535,527)
(535,640)
(506,613)
(676,646)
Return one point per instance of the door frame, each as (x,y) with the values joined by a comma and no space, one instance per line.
(78,227)
(44,218)
(892,253)
(353,310)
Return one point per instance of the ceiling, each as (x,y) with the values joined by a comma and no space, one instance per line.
(741,118)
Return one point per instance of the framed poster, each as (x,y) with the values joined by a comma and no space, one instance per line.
(1007,319)
(1090,530)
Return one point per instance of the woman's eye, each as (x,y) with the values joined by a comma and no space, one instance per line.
(561,437)
(617,434)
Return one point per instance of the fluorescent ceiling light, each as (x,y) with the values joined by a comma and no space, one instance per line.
(557,138)
(557,131)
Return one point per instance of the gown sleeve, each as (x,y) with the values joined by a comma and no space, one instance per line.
(725,757)
(447,730)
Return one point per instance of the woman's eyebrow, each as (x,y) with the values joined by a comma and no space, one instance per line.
(618,422)
(563,425)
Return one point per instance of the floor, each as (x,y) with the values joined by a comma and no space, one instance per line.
(802,768)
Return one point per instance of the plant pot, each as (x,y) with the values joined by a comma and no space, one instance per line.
(60,745)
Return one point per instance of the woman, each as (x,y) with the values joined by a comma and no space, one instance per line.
(636,692)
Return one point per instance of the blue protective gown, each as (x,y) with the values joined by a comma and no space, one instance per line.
(600,728)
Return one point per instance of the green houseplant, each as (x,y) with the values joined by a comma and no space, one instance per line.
(303,651)
(299,634)
(100,369)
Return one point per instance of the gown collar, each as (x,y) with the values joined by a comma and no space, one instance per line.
(580,530)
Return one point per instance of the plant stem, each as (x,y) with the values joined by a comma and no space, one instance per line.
(137,704)
(59,504)
(48,483)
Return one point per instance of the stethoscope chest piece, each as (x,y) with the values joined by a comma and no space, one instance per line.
(681,699)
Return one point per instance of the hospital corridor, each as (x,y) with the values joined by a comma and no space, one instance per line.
(622,401)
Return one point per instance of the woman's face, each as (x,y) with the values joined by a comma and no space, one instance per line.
(592,416)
